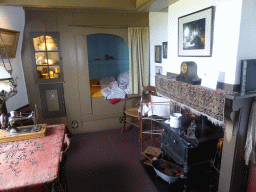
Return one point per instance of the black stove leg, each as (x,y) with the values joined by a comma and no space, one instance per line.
(211,185)
(186,169)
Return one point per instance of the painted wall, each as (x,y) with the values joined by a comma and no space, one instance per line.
(158,30)
(222,65)
(13,18)
(100,45)
(247,38)
(247,50)
(225,39)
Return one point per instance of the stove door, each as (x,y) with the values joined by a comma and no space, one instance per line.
(174,146)
(184,153)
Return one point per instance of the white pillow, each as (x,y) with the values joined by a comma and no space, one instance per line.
(107,80)
(113,85)
(123,77)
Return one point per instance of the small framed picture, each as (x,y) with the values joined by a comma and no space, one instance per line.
(165,50)
(158,55)
(158,70)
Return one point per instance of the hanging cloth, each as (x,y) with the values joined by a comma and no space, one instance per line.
(138,43)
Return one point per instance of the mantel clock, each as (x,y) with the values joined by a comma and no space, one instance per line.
(188,73)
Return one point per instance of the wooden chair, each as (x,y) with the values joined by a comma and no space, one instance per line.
(138,114)
(134,112)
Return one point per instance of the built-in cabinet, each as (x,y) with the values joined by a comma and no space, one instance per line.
(46,57)
(82,113)
(87,114)
(47,63)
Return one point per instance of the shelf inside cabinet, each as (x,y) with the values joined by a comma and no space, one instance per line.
(46,57)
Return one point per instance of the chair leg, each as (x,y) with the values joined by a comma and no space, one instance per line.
(141,137)
(124,116)
(124,122)
(151,122)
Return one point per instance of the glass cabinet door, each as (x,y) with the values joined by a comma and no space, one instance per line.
(46,53)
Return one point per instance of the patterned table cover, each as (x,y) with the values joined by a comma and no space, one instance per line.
(32,162)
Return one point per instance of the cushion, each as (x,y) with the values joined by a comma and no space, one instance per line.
(123,77)
(95,90)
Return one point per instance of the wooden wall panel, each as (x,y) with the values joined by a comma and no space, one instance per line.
(61,20)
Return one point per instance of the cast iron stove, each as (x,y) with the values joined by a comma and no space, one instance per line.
(189,151)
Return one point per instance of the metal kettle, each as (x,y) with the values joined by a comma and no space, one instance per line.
(175,120)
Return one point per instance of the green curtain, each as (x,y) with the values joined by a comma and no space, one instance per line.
(138,43)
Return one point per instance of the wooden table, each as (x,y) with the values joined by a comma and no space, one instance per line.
(31,164)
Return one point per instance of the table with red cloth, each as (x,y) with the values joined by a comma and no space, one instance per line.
(31,163)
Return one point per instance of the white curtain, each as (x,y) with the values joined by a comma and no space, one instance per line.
(138,43)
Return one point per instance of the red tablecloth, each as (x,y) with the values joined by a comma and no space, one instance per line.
(31,162)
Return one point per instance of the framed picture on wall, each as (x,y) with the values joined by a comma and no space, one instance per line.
(165,50)
(158,70)
(158,55)
(8,42)
(195,33)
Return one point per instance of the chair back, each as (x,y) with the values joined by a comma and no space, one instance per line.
(147,92)
(151,104)
(145,107)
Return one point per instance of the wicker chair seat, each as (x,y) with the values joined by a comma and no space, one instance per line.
(133,112)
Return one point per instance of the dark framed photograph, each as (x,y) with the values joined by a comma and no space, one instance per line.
(8,42)
(195,33)
(158,55)
(165,50)
(158,70)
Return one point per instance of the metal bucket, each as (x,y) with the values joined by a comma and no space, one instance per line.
(168,171)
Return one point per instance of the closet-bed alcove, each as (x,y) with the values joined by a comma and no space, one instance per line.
(101,54)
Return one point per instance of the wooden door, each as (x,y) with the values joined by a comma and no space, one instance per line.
(83,74)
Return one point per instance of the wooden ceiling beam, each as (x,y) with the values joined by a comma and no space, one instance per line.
(108,5)
(85,4)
